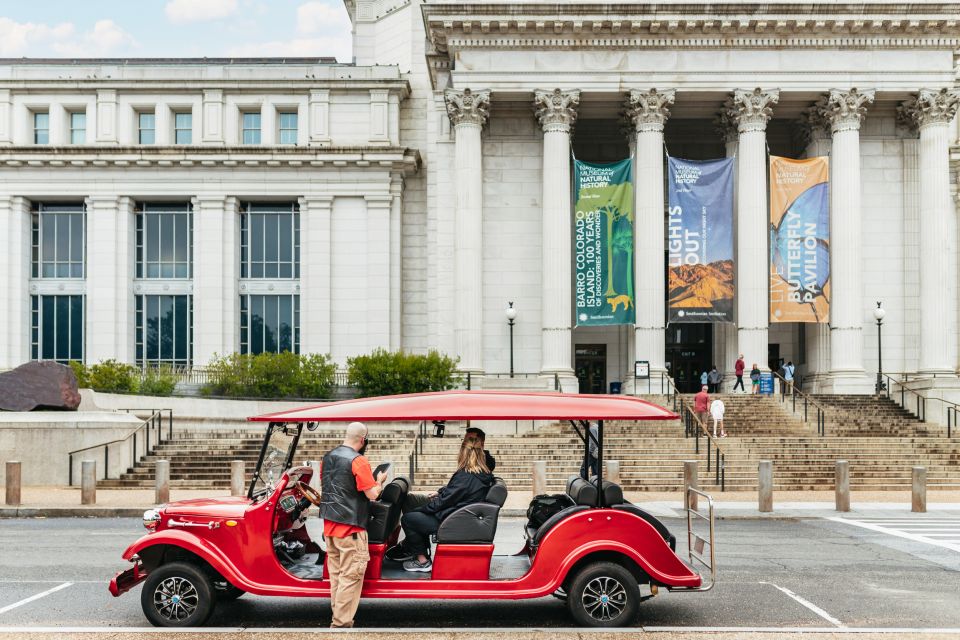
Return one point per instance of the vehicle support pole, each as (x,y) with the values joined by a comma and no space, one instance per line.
(600,501)
(88,482)
(843,486)
(237,473)
(12,470)
(162,493)
(690,480)
(539,474)
(765,486)
(919,498)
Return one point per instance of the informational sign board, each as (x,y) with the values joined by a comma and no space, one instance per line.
(766,383)
(641,369)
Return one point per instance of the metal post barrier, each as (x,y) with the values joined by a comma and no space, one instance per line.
(468,381)
(716,459)
(412,465)
(690,480)
(539,477)
(765,486)
(162,494)
(842,486)
(723,472)
(106,461)
(12,481)
(88,482)
(556,382)
(612,471)
(918,503)
(237,473)
(709,447)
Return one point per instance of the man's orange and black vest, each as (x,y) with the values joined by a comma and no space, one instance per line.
(340,500)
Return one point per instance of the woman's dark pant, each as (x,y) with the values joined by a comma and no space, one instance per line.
(418,526)
(739,383)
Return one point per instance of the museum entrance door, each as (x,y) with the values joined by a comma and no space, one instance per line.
(689,349)
(590,363)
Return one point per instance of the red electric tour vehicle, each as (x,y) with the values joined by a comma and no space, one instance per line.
(600,553)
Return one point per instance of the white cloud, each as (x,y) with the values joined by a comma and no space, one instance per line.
(320,17)
(179,11)
(25,39)
(336,46)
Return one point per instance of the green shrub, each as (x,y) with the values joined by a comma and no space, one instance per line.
(383,373)
(158,381)
(270,375)
(111,376)
(80,371)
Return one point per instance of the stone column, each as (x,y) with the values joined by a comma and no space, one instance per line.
(14,281)
(396,261)
(751,110)
(932,111)
(843,111)
(315,262)
(725,343)
(109,306)
(215,278)
(378,271)
(649,110)
(468,112)
(556,111)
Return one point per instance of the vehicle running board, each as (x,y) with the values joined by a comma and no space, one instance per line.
(697,544)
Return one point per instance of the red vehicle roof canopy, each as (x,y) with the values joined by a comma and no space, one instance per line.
(477,405)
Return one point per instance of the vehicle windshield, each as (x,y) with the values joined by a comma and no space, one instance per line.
(278,448)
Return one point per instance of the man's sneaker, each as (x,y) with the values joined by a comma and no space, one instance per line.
(397,553)
(416,565)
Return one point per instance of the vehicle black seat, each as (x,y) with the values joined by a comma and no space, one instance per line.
(613,497)
(385,510)
(475,523)
(584,496)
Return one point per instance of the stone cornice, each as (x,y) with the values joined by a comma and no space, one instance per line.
(392,158)
(649,110)
(844,110)
(467,106)
(929,106)
(556,110)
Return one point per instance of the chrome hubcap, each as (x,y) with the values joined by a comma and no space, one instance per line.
(604,599)
(176,598)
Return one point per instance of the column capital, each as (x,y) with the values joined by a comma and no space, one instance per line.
(929,106)
(812,124)
(556,110)
(315,202)
(467,106)
(751,110)
(844,110)
(649,110)
(726,126)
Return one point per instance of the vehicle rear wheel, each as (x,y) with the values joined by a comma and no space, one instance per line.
(603,594)
(177,595)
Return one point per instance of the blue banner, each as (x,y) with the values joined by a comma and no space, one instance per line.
(700,240)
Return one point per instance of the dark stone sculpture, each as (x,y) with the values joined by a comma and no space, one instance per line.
(39,385)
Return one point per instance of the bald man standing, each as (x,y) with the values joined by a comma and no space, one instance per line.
(347,485)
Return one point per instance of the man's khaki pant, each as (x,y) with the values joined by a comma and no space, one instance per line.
(346,563)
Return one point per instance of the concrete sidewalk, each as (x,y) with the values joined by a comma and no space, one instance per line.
(52,502)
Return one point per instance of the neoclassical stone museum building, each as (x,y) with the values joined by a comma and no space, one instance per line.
(166,210)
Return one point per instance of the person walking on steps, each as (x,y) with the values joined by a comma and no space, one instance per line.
(738,368)
(701,402)
(788,371)
(704,377)
(716,411)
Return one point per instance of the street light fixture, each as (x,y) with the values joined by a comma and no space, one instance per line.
(511,313)
(879,313)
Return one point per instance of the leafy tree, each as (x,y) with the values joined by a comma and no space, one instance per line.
(271,375)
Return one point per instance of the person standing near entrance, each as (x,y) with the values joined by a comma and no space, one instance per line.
(788,370)
(738,368)
(755,378)
(700,403)
(347,485)
(704,378)
(713,378)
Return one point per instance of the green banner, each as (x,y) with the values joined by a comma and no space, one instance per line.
(603,243)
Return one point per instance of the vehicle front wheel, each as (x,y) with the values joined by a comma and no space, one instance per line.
(603,594)
(177,595)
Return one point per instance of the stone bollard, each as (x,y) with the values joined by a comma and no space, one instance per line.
(162,494)
(690,479)
(918,503)
(539,485)
(13,483)
(237,477)
(843,486)
(611,471)
(88,482)
(765,486)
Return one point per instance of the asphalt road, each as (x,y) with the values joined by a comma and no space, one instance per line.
(772,573)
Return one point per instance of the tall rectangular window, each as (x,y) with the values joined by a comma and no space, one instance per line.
(78,127)
(270,241)
(58,240)
(56,328)
(164,240)
(183,128)
(146,127)
(41,127)
(288,127)
(269,323)
(165,330)
(250,127)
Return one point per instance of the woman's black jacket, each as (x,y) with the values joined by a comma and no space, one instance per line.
(464,488)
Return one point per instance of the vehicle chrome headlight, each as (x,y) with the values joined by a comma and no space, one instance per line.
(151,518)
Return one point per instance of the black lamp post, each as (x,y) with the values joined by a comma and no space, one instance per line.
(879,313)
(511,313)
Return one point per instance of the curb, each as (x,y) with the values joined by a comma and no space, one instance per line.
(71,512)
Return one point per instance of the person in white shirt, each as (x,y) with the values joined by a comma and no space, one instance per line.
(716,411)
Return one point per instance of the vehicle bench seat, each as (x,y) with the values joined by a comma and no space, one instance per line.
(475,523)
(385,510)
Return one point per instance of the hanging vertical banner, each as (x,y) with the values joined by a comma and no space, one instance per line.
(799,240)
(603,243)
(700,240)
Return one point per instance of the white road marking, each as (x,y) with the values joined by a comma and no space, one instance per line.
(941,534)
(447,631)
(809,605)
(35,597)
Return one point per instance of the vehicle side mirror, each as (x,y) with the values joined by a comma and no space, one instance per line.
(312,426)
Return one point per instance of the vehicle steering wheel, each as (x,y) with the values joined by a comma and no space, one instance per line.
(309,493)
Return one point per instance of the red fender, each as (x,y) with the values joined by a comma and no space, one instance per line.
(186,540)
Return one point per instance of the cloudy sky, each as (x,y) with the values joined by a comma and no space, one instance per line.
(174,28)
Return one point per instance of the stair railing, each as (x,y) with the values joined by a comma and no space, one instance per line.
(807,403)
(694,427)
(153,424)
(951,409)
